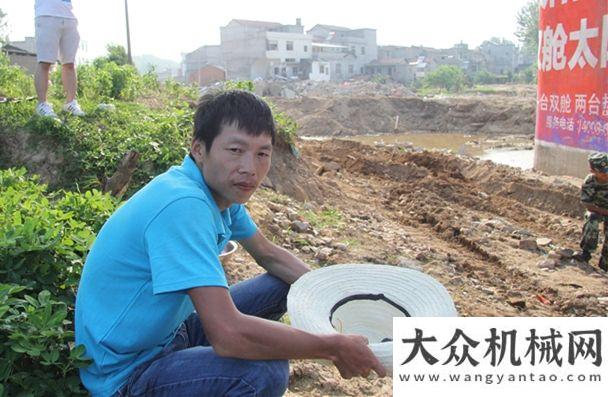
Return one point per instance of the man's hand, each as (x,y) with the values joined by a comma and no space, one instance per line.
(353,357)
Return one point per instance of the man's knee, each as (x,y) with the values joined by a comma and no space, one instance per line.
(44,66)
(273,377)
(69,67)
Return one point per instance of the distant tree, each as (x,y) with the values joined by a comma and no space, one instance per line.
(117,54)
(484,77)
(448,77)
(527,27)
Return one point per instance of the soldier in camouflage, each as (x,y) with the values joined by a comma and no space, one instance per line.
(594,196)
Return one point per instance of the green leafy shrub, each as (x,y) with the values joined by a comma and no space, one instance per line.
(44,237)
(446,77)
(14,82)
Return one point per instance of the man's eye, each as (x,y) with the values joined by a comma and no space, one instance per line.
(263,154)
(235,150)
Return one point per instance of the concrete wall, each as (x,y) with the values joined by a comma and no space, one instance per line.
(316,74)
(302,46)
(555,159)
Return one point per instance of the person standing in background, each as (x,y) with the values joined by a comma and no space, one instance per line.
(57,37)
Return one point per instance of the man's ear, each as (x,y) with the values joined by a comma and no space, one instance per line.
(198,150)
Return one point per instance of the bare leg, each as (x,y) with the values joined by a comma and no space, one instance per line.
(42,80)
(68,76)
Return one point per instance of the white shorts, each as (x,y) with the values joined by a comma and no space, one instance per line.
(56,39)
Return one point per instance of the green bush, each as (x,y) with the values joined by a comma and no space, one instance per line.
(44,238)
(14,82)
(484,77)
(446,77)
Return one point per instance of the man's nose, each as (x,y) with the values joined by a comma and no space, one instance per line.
(247,164)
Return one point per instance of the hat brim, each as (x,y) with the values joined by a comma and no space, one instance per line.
(314,297)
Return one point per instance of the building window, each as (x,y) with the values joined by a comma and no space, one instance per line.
(290,59)
(289,46)
(321,69)
(272,45)
(338,69)
(362,50)
(295,71)
(284,72)
(305,48)
(276,71)
(351,69)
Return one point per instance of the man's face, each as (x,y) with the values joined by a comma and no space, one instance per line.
(602,177)
(235,165)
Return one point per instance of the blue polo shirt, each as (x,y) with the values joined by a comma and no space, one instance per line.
(132,295)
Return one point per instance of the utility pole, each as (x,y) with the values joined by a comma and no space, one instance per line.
(130,58)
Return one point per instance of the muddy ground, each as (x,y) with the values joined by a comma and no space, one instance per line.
(498,238)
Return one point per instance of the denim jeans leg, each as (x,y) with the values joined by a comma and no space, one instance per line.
(263,296)
(198,371)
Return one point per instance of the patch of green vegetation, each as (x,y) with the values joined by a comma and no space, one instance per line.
(44,237)
(352,242)
(329,217)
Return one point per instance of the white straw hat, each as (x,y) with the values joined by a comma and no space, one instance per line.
(363,299)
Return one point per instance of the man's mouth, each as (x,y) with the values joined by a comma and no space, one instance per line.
(247,187)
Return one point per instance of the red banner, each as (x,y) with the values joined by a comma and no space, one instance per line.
(572,103)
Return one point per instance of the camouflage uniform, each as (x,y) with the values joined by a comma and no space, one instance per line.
(595,193)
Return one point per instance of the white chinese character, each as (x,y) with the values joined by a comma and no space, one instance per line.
(564,104)
(594,105)
(604,56)
(583,54)
(547,49)
(556,121)
(543,3)
(580,104)
(562,123)
(549,123)
(570,124)
(560,38)
(605,105)
(554,100)
(543,102)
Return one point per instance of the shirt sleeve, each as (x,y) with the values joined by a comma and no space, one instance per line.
(182,246)
(588,190)
(242,226)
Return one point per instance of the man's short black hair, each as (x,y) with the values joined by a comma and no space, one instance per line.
(241,109)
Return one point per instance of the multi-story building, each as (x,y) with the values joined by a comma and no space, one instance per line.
(500,55)
(347,51)
(257,49)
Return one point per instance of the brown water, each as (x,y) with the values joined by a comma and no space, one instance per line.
(513,151)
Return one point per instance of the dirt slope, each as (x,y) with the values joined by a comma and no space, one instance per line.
(368,115)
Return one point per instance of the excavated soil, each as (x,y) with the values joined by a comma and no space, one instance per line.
(339,116)
(480,229)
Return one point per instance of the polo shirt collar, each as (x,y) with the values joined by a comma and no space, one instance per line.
(191,170)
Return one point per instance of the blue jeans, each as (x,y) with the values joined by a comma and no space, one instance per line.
(188,366)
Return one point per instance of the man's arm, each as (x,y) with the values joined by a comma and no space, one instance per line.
(276,260)
(593,208)
(233,334)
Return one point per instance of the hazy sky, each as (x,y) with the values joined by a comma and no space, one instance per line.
(169,28)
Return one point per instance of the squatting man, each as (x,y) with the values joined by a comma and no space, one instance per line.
(154,309)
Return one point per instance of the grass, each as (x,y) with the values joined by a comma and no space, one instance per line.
(329,217)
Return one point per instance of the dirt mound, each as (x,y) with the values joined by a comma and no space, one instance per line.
(292,176)
(41,155)
(372,115)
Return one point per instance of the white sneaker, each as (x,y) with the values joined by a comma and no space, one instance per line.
(45,109)
(73,108)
